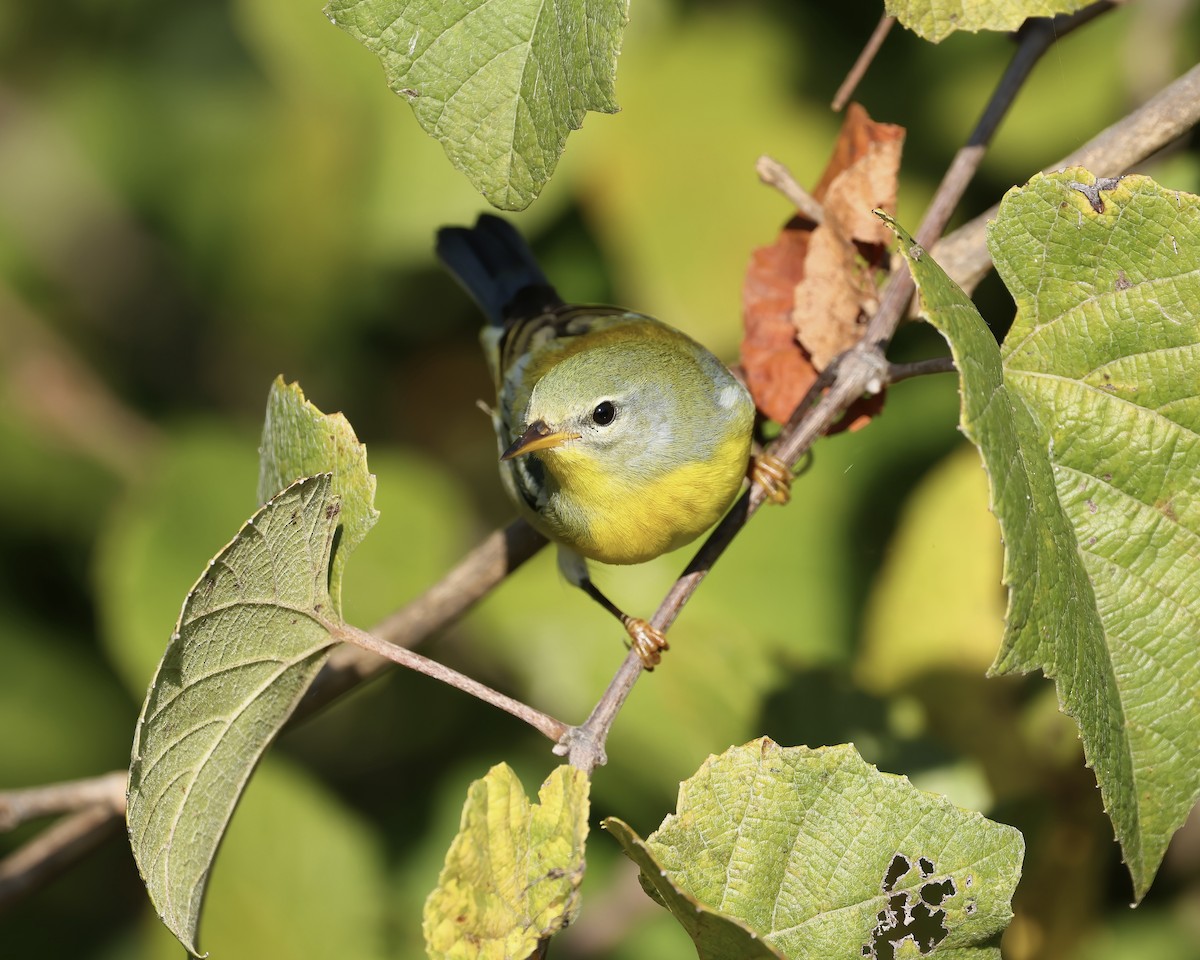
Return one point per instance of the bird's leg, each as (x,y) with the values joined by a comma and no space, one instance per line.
(647,641)
(773,475)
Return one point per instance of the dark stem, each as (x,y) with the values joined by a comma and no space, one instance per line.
(919,368)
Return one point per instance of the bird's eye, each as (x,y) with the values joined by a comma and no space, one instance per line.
(604,413)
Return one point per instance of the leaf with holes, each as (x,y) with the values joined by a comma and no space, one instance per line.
(1088,421)
(801,853)
(937,19)
(253,633)
(498,84)
(512,874)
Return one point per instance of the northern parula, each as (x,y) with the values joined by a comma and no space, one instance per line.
(620,438)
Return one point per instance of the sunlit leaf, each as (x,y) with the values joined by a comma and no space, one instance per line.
(152,539)
(1088,429)
(253,632)
(301,875)
(499,84)
(512,874)
(298,440)
(817,854)
(937,19)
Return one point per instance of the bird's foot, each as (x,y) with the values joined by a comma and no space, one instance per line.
(774,476)
(648,642)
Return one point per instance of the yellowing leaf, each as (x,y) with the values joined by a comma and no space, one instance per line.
(937,19)
(512,873)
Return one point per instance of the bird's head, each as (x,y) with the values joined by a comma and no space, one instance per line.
(633,405)
(593,408)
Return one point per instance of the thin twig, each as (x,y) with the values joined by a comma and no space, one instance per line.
(29,803)
(479,572)
(431,668)
(775,174)
(54,850)
(865,57)
(1160,121)
(46,381)
(919,368)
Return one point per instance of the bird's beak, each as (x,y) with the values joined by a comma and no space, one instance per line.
(538,436)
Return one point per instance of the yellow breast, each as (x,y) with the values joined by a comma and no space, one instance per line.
(620,519)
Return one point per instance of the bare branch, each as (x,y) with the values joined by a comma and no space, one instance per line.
(19,806)
(865,58)
(775,174)
(1160,121)
(55,850)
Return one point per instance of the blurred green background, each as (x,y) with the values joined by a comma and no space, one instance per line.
(198,196)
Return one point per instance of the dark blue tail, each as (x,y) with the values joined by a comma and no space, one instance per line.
(495,266)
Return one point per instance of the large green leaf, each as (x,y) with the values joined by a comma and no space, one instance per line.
(1089,432)
(815,853)
(937,19)
(500,83)
(301,875)
(253,632)
(512,873)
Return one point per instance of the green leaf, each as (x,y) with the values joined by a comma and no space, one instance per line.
(937,19)
(146,556)
(1089,432)
(817,854)
(512,873)
(301,875)
(299,440)
(715,935)
(499,84)
(253,632)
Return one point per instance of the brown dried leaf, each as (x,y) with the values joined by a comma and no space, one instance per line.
(837,293)
(778,371)
(827,316)
(807,295)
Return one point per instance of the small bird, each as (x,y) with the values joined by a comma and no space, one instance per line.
(620,437)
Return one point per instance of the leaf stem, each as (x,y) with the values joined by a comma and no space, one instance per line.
(443,603)
(541,722)
(919,368)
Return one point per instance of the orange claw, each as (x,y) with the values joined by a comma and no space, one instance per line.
(774,476)
(647,641)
